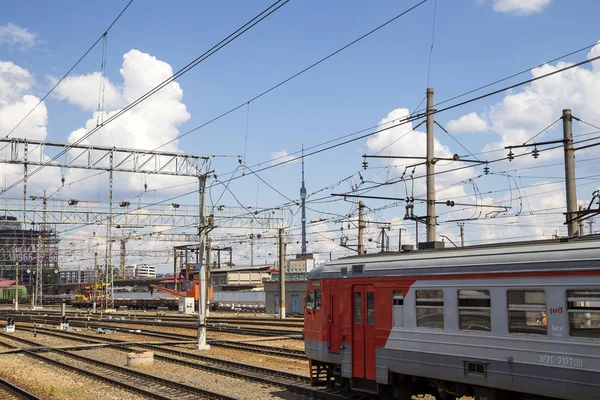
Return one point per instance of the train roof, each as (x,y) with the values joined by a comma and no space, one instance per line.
(548,255)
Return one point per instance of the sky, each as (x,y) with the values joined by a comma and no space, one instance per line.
(452,47)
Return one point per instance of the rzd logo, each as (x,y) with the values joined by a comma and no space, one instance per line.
(556,310)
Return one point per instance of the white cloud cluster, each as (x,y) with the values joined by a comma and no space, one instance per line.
(520,7)
(470,123)
(14,35)
(79,90)
(15,102)
(282,156)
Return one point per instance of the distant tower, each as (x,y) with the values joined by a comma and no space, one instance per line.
(303,197)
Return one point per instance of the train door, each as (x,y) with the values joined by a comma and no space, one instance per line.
(295,304)
(334,324)
(363,332)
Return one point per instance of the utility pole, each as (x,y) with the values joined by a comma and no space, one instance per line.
(108,270)
(462,233)
(175,269)
(95,281)
(361,207)
(208,250)
(281,275)
(303,198)
(202,273)
(400,238)
(252,250)
(591,223)
(25,154)
(570,172)
(123,249)
(431,219)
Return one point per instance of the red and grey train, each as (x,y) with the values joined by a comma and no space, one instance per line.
(516,321)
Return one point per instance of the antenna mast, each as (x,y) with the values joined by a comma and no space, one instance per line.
(303,198)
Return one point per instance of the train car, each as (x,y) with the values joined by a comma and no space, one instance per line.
(517,321)
(7,294)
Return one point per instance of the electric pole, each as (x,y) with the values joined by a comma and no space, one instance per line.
(202,274)
(361,226)
(281,275)
(581,230)
(431,219)
(123,249)
(570,172)
(175,269)
(591,223)
(95,281)
(462,233)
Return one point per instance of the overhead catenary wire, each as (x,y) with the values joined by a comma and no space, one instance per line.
(224,42)
(104,34)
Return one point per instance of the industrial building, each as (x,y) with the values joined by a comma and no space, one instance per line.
(294,296)
(239,278)
(76,275)
(140,271)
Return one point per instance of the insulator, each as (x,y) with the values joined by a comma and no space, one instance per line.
(62,180)
(449,203)
(535,153)
(365,164)
(145,187)
(486,169)
(511,155)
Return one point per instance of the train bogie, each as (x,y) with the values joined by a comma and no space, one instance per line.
(518,322)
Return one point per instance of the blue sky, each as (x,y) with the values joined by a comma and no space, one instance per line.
(475,42)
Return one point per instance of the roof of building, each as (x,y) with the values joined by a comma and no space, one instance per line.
(9,282)
(259,268)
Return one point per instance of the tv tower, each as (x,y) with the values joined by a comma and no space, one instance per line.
(303,197)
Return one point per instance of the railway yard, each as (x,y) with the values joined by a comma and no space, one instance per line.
(249,358)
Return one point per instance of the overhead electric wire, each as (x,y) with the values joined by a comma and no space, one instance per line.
(224,42)
(70,70)
(295,75)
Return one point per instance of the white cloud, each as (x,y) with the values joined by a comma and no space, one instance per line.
(520,7)
(16,102)
(470,123)
(14,35)
(79,90)
(282,156)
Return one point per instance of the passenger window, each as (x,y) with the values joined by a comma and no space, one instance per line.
(397,308)
(357,269)
(527,312)
(317,299)
(370,308)
(357,308)
(310,299)
(584,313)
(430,308)
(474,310)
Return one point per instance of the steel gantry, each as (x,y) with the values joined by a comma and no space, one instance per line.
(94,158)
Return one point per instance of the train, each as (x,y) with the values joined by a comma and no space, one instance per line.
(7,294)
(496,322)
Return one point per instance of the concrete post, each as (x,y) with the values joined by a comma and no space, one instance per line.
(281,275)
(571,192)
(431,219)
(361,226)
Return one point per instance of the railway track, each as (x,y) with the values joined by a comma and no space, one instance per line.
(83,321)
(10,391)
(147,385)
(292,323)
(244,346)
(292,382)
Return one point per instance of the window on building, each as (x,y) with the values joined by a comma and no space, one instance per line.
(317,299)
(430,308)
(370,308)
(527,312)
(584,313)
(357,308)
(474,310)
(397,308)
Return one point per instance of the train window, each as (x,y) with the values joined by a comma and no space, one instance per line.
(474,310)
(397,308)
(317,299)
(430,308)
(344,271)
(370,308)
(584,313)
(310,299)
(527,312)
(357,269)
(357,308)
